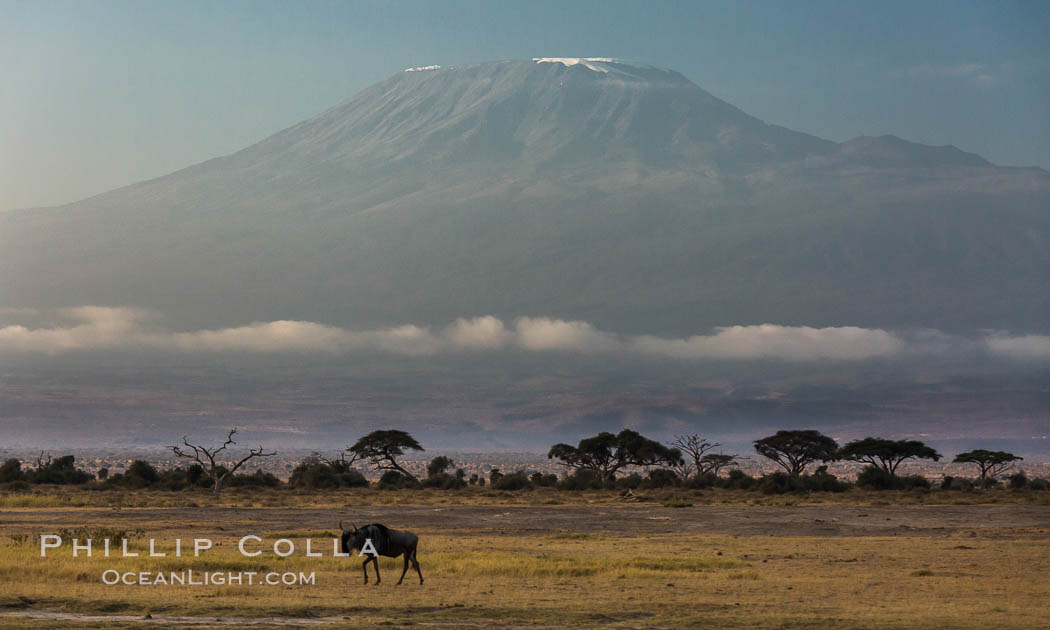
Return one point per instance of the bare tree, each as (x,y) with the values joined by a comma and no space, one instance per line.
(206,457)
(40,463)
(694,447)
(684,469)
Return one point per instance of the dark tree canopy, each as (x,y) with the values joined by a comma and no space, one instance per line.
(382,448)
(439,465)
(794,450)
(886,454)
(605,453)
(990,462)
(713,463)
(11,470)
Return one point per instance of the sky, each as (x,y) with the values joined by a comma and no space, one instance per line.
(97,95)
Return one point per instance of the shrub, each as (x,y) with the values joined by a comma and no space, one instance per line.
(176,479)
(779,483)
(313,474)
(439,465)
(915,481)
(259,479)
(875,478)
(11,470)
(629,482)
(318,475)
(823,481)
(737,480)
(660,478)
(59,471)
(699,482)
(444,481)
(513,481)
(540,479)
(197,476)
(1039,484)
(353,479)
(393,480)
(1018,480)
(581,480)
(141,473)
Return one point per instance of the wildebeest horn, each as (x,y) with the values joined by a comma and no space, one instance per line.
(354,526)
(341,526)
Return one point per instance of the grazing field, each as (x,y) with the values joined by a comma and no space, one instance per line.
(546,560)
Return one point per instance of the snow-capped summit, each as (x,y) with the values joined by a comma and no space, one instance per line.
(598,64)
(605,65)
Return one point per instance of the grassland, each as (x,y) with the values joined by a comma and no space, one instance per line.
(547,560)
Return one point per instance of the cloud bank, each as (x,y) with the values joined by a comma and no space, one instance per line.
(109,328)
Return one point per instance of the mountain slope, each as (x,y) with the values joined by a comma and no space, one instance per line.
(620,194)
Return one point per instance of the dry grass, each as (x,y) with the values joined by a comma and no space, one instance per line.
(995,579)
(667,581)
(72,497)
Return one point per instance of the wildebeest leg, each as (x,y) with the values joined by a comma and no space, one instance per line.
(405,569)
(375,563)
(415,565)
(364,567)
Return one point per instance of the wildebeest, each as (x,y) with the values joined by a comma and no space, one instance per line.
(387,542)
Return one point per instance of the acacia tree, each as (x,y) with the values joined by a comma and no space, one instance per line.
(605,453)
(207,458)
(886,454)
(990,462)
(794,450)
(713,463)
(382,448)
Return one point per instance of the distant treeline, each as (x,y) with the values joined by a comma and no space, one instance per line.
(623,461)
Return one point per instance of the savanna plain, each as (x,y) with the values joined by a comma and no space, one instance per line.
(544,559)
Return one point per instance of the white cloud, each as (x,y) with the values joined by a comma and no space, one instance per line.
(89,327)
(1021,347)
(555,334)
(103,328)
(769,341)
(478,332)
(108,328)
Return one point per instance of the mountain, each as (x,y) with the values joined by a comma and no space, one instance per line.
(616,193)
